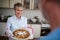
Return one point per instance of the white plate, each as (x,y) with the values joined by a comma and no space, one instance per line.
(29,30)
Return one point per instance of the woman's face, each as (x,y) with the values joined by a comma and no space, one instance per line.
(18,11)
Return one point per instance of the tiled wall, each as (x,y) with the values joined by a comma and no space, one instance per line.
(27,13)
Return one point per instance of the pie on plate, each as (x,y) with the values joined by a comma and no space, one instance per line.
(21,33)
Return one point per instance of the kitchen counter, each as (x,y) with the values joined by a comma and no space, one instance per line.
(37,28)
(42,25)
(34,26)
(7,38)
(4,38)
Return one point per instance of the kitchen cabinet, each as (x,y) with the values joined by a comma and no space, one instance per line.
(12,2)
(4,3)
(2,29)
(31,4)
(37,30)
(27,4)
(45,31)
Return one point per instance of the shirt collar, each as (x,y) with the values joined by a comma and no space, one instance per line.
(17,18)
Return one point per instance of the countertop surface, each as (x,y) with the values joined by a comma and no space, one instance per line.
(7,38)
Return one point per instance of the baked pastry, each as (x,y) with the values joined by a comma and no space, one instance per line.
(21,33)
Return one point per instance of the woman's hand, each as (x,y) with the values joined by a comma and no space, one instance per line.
(9,34)
(29,26)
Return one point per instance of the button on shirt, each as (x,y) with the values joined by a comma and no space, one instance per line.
(15,23)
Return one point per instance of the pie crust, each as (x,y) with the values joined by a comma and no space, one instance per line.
(21,33)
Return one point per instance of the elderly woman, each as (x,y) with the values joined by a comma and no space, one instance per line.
(51,11)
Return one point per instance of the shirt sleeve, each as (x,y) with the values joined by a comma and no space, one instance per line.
(8,24)
(7,29)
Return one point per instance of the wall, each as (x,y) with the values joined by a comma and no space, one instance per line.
(27,13)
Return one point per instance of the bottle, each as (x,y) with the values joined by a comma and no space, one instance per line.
(2,16)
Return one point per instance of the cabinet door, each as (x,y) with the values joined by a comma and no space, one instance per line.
(37,30)
(4,3)
(12,2)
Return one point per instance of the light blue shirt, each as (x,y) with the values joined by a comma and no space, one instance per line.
(54,35)
(15,23)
